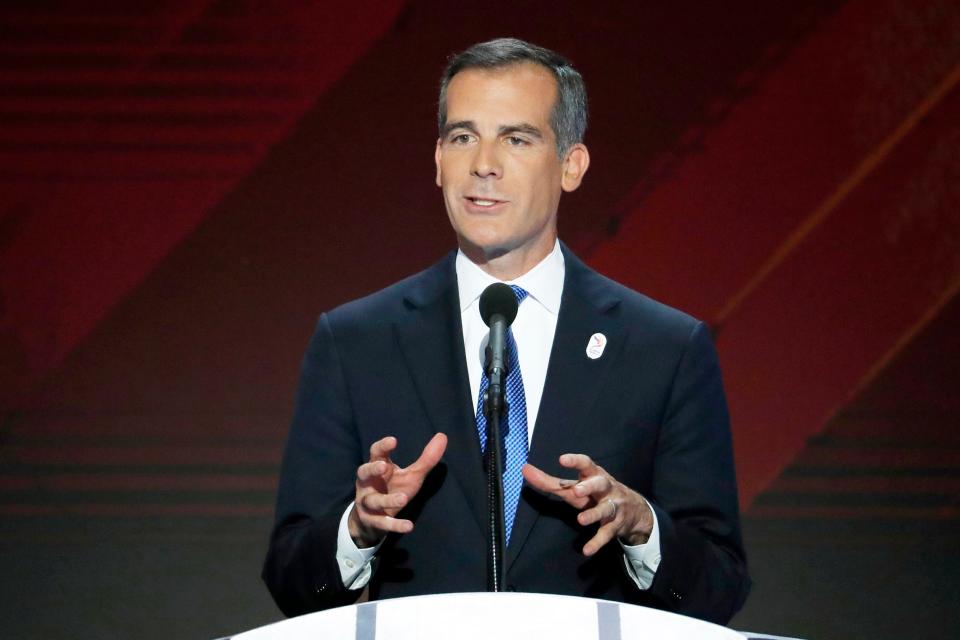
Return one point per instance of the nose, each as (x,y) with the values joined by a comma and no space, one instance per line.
(486,161)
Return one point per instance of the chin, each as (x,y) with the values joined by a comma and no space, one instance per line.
(482,236)
(490,247)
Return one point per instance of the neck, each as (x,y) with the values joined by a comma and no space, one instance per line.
(508,265)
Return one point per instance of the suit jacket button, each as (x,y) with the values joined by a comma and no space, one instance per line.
(676,596)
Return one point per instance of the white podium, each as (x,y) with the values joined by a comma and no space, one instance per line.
(480,616)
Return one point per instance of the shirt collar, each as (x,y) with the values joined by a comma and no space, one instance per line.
(544,282)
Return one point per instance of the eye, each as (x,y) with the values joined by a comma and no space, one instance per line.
(460,138)
(516,141)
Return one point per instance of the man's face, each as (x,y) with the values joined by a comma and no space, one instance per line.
(497,162)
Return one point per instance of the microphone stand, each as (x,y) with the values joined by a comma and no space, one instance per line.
(494,407)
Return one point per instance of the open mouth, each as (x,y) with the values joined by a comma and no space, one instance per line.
(484,203)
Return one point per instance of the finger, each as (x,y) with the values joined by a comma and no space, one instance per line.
(382,502)
(431,454)
(604,510)
(380,450)
(369,470)
(542,481)
(579,461)
(559,487)
(386,524)
(603,536)
(597,485)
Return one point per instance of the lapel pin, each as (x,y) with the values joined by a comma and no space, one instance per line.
(596,345)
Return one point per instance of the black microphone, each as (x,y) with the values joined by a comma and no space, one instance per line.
(498,308)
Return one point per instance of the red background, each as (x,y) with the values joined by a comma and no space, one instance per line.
(185,186)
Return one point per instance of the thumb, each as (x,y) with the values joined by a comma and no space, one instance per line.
(431,454)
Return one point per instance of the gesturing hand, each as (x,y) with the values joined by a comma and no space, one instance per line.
(383,489)
(620,510)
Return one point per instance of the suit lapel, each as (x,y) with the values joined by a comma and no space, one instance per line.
(431,340)
(574,381)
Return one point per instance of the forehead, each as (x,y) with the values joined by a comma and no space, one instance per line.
(519,92)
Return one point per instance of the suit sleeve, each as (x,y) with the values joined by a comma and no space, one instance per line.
(317,477)
(703,569)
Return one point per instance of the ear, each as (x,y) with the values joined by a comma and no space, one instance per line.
(436,159)
(575,165)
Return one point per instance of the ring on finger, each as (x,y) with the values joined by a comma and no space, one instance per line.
(614,505)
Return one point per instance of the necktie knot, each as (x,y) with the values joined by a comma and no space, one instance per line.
(520,292)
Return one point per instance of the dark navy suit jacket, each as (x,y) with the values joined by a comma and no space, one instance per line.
(651,411)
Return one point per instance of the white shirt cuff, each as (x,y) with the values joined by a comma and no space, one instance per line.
(356,565)
(642,560)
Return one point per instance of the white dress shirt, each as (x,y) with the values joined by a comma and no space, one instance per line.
(533,330)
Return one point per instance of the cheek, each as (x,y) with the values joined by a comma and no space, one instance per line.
(453,164)
(543,191)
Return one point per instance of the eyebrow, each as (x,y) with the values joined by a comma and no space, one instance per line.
(459,124)
(523,127)
(503,130)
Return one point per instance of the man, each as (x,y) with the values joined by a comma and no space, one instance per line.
(629,493)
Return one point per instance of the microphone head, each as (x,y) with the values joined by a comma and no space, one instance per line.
(498,298)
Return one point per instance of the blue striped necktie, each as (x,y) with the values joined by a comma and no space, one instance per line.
(513,429)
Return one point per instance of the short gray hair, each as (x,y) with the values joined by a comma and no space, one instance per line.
(568,118)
